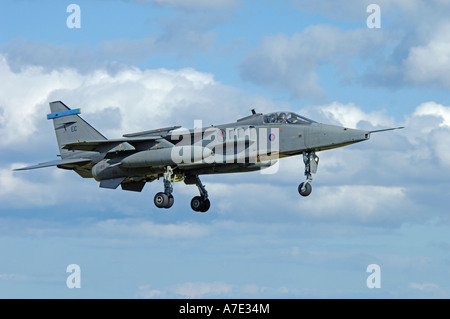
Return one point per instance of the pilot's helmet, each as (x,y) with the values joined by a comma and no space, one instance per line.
(282,116)
(272,118)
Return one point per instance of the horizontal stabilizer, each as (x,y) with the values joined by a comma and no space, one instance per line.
(111,183)
(75,161)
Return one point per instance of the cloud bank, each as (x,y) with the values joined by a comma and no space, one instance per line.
(371,183)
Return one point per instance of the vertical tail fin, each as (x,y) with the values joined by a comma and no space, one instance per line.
(70,128)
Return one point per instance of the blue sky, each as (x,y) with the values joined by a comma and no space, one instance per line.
(139,65)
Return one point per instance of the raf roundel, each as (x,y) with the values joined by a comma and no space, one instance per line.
(272,137)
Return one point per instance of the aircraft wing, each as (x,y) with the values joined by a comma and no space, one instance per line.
(115,145)
(74,161)
(159,132)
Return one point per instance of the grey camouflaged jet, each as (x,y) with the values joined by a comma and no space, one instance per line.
(175,154)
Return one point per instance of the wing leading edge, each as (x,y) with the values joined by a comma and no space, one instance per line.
(115,145)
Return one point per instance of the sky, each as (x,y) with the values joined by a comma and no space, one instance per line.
(135,65)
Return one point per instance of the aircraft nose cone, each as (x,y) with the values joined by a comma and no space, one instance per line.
(331,136)
(358,135)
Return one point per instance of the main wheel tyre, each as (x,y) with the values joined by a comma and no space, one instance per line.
(205,206)
(197,203)
(161,200)
(307,191)
(170,203)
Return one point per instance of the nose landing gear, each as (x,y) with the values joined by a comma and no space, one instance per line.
(305,189)
(311,161)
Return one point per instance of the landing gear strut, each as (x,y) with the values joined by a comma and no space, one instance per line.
(200,203)
(165,199)
(311,161)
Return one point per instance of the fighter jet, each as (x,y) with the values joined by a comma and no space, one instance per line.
(174,154)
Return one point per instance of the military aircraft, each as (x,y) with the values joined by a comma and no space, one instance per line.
(176,154)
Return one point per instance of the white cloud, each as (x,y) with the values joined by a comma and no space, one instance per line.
(378,182)
(348,115)
(202,289)
(412,47)
(426,286)
(19,112)
(4,276)
(18,192)
(362,204)
(134,100)
(147,293)
(440,145)
(436,110)
(351,10)
(425,134)
(429,289)
(359,203)
(430,62)
(150,229)
(187,290)
(139,100)
(430,130)
(214,289)
(291,63)
(182,34)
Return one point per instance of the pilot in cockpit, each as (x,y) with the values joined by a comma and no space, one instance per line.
(272,118)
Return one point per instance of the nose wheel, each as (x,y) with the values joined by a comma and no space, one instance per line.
(305,189)
(311,161)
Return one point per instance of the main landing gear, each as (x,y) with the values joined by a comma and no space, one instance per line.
(165,199)
(311,161)
(200,203)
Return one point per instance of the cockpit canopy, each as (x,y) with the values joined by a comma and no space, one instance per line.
(286,117)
